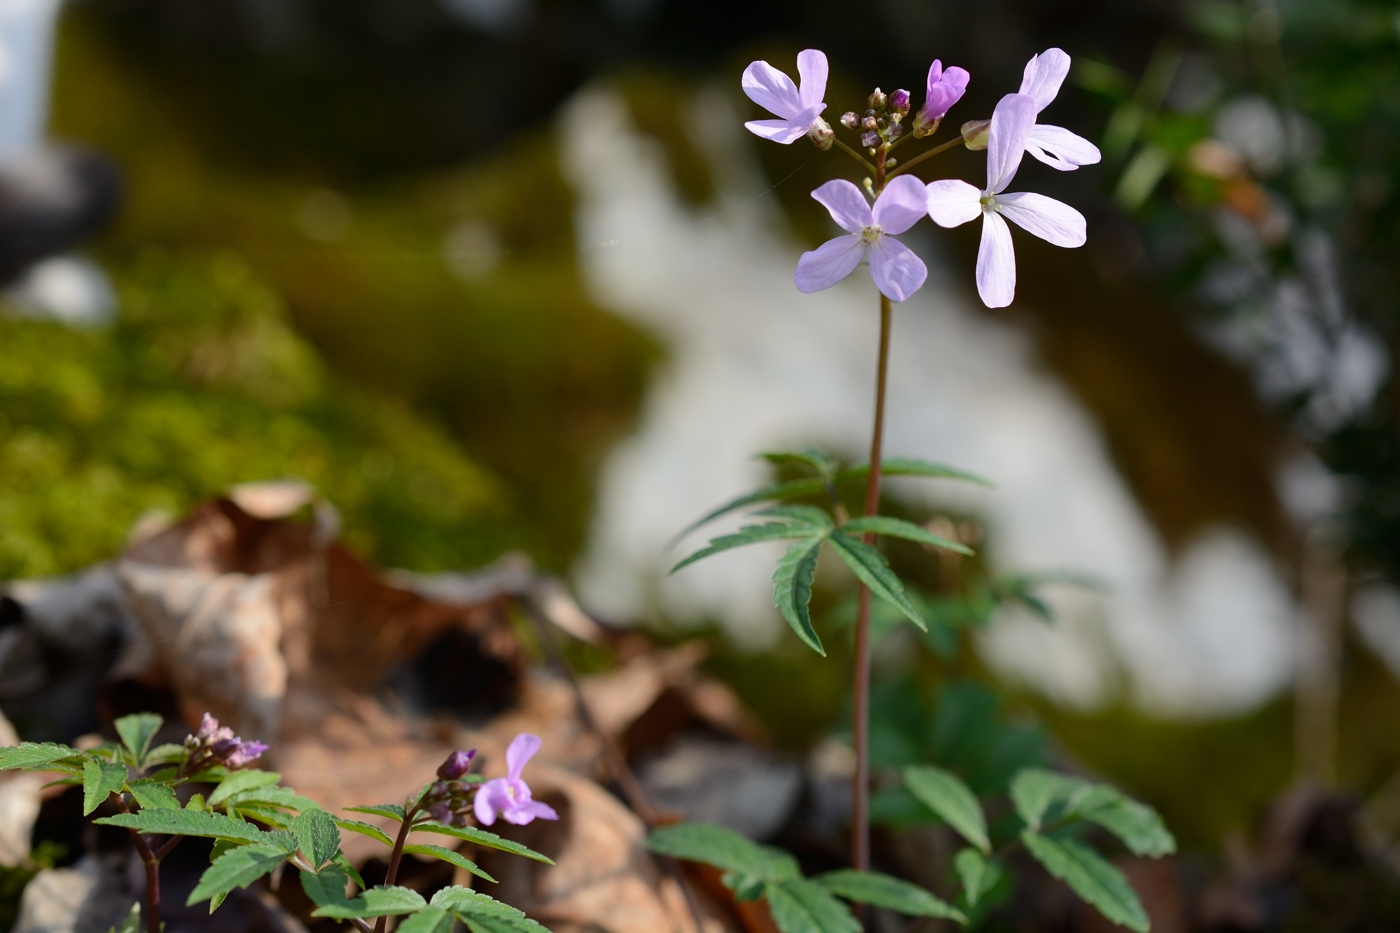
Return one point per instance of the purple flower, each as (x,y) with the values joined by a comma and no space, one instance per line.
(245,753)
(945,88)
(216,744)
(899,101)
(897,272)
(799,111)
(1056,146)
(951,203)
(456,765)
(509,797)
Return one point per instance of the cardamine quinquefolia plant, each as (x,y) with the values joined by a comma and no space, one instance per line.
(889,201)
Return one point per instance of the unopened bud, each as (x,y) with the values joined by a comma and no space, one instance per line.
(459,820)
(822,134)
(896,130)
(849,120)
(440,812)
(870,140)
(869,124)
(878,99)
(975,133)
(899,101)
(455,766)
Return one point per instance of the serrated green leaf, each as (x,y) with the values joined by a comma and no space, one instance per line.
(317,836)
(977,873)
(187,823)
(908,466)
(32,756)
(1090,876)
(946,795)
(450,856)
(871,568)
(136,732)
(788,489)
(381,901)
(500,924)
(327,886)
(276,818)
(392,810)
(799,514)
(237,868)
(154,796)
(283,797)
(1038,792)
(899,528)
(132,923)
(239,781)
(100,780)
(430,920)
(1137,825)
(467,901)
(169,753)
(344,864)
(724,848)
(749,534)
(1035,790)
(800,906)
(792,589)
(881,890)
(482,838)
(366,829)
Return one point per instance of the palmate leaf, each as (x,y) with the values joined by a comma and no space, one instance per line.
(239,781)
(871,568)
(792,589)
(724,848)
(899,528)
(945,794)
(750,534)
(872,887)
(366,829)
(450,856)
(380,901)
(801,906)
(136,733)
(100,780)
(188,823)
(1090,876)
(482,838)
(236,868)
(33,756)
(317,836)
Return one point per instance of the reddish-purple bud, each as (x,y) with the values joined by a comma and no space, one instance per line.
(899,101)
(456,765)
(870,140)
(440,812)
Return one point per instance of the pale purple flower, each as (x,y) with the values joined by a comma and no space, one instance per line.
(216,744)
(951,203)
(897,272)
(509,797)
(1056,146)
(244,754)
(799,111)
(944,89)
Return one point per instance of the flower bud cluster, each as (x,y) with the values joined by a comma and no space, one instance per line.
(449,799)
(215,745)
(883,121)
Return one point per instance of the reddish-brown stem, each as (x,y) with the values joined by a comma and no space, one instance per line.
(165,849)
(152,862)
(392,875)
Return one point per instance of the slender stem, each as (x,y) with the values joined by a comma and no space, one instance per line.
(865,163)
(170,844)
(152,863)
(950,144)
(393,873)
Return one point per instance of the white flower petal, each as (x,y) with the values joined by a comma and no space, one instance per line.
(780,131)
(1011,125)
(1053,221)
(901,205)
(829,263)
(771,89)
(847,204)
(996,263)
(1043,76)
(952,203)
(897,272)
(812,69)
(1052,144)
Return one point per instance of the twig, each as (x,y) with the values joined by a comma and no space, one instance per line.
(857,156)
(950,144)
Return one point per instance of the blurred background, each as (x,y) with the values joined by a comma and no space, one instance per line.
(508,275)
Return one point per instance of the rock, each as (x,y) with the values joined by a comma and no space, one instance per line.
(19,804)
(740,786)
(89,897)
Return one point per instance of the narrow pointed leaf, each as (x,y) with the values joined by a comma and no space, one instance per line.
(802,514)
(1090,876)
(100,779)
(750,534)
(789,489)
(800,906)
(239,781)
(1137,825)
(946,795)
(237,868)
(881,890)
(366,829)
(381,901)
(33,755)
(392,810)
(482,838)
(317,836)
(721,847)
(899,528)
(906,466)
(450,856)
(871,568)
(792,589)
(187,822)
(137,732)
(152,795)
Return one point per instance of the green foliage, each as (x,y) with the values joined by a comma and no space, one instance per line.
(136,732)
(799,906)
(242,780)
(872,887)
(390,810)
(899,528)
(187,822)
(31,756)
(978,874)
(236,868)
(946,795)
(482,913)
(154,795)
(721,847)
(792,589)
(100,780)
(871,568)
(365,829)
(132,923)
(450,856)
(327,886)
(1044,796)
(379,901)
(317,836)
(481,837)
(1090,876)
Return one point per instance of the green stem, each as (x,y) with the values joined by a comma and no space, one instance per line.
(865,163)
(950,144)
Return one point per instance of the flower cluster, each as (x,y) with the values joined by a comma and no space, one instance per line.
(214,745)
(450,799)
(899,199)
